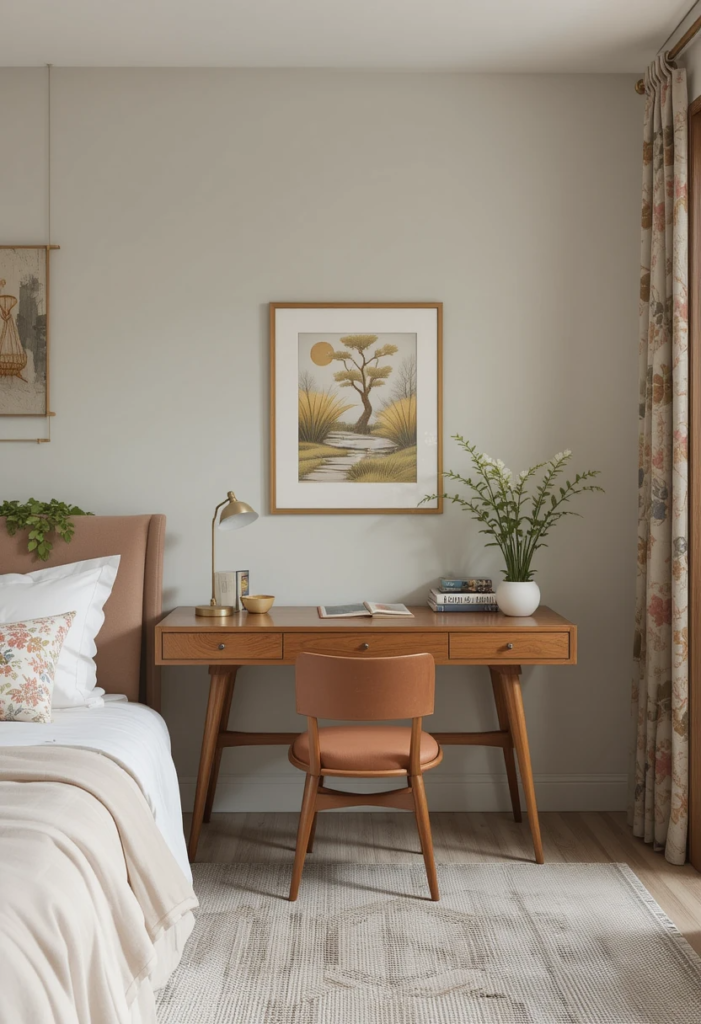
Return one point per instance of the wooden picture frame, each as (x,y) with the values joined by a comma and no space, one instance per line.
(356,397)
(24,330)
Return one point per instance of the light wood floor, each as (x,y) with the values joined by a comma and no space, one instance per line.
(375,837)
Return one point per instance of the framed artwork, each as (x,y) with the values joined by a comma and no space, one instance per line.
(24,330)
(355,409)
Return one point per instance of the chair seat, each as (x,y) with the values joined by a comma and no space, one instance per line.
(365,748)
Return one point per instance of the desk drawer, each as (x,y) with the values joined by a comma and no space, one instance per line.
(202,646)
(493,646)
(370,643)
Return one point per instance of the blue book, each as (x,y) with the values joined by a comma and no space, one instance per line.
(466,585)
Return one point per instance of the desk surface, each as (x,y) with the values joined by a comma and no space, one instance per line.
(306,617)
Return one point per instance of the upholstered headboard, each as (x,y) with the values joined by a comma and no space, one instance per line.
(125,657)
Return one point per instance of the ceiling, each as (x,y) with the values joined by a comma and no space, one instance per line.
(470,35)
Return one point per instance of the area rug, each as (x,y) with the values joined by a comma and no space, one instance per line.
(506,944)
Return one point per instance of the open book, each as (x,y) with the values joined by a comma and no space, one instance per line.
(349,611)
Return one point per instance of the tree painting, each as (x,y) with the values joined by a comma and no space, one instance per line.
(345,433)
(362,371)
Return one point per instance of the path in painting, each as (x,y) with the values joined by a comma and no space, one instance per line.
(358,446)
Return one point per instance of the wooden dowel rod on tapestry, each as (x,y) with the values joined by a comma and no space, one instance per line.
(675,51)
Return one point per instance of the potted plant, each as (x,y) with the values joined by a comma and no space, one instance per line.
(517,518)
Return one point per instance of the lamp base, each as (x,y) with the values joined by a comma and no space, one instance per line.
(218,610)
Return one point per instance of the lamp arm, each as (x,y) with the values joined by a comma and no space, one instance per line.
(214,525)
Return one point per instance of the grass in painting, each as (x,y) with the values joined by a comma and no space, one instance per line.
(398,422)
(318,414)
(311,456)
(399,467)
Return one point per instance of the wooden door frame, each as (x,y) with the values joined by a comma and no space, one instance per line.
(694,504)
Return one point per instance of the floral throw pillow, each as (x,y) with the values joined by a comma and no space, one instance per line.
(28,658)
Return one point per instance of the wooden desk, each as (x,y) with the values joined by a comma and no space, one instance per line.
(454,638)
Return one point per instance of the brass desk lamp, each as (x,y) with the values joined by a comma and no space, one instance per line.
(233,517)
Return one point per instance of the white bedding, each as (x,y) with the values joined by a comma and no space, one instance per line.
(132,735)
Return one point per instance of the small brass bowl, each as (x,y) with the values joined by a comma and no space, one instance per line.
(258,603)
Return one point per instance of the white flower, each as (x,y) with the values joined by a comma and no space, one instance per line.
(523,474)
(500,464)
(567,453)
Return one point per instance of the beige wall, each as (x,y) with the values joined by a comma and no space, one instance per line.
(691,60)
(185,200)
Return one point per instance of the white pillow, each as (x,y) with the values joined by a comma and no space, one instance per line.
(80,587)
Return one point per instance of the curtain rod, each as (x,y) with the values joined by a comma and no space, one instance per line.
(675,51)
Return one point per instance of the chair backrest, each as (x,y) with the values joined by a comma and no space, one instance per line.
(365,689)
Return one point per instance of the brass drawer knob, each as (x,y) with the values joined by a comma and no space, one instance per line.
(222,646)
(365,647)
(509,647)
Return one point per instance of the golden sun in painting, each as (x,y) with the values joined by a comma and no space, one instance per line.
(321,353)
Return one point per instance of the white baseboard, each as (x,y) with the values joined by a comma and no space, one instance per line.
(252,793)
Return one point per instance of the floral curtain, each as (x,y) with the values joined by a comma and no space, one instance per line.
(658,809)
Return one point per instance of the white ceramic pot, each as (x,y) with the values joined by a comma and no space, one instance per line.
(518,598)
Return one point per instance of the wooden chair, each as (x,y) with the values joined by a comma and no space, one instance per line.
(364,690)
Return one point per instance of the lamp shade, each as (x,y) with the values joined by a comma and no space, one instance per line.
(236,514)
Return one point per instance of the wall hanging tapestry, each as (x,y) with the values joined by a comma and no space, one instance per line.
(24,330)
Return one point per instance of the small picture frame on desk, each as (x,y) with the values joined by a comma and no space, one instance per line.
(242,587)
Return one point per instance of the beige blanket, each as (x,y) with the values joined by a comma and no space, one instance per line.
(87,885)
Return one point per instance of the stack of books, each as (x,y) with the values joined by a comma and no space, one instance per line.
(467,594)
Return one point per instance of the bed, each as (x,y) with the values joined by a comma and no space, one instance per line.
(96,898)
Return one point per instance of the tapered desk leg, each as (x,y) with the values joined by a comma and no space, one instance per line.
(509,676)
(503,715)
(218,686)
(216,764)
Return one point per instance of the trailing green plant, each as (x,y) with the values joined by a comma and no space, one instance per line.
(40,518)
(519,521)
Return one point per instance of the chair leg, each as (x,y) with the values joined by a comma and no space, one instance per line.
(424,826)
(306,818)
(310,844)
(421,845)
